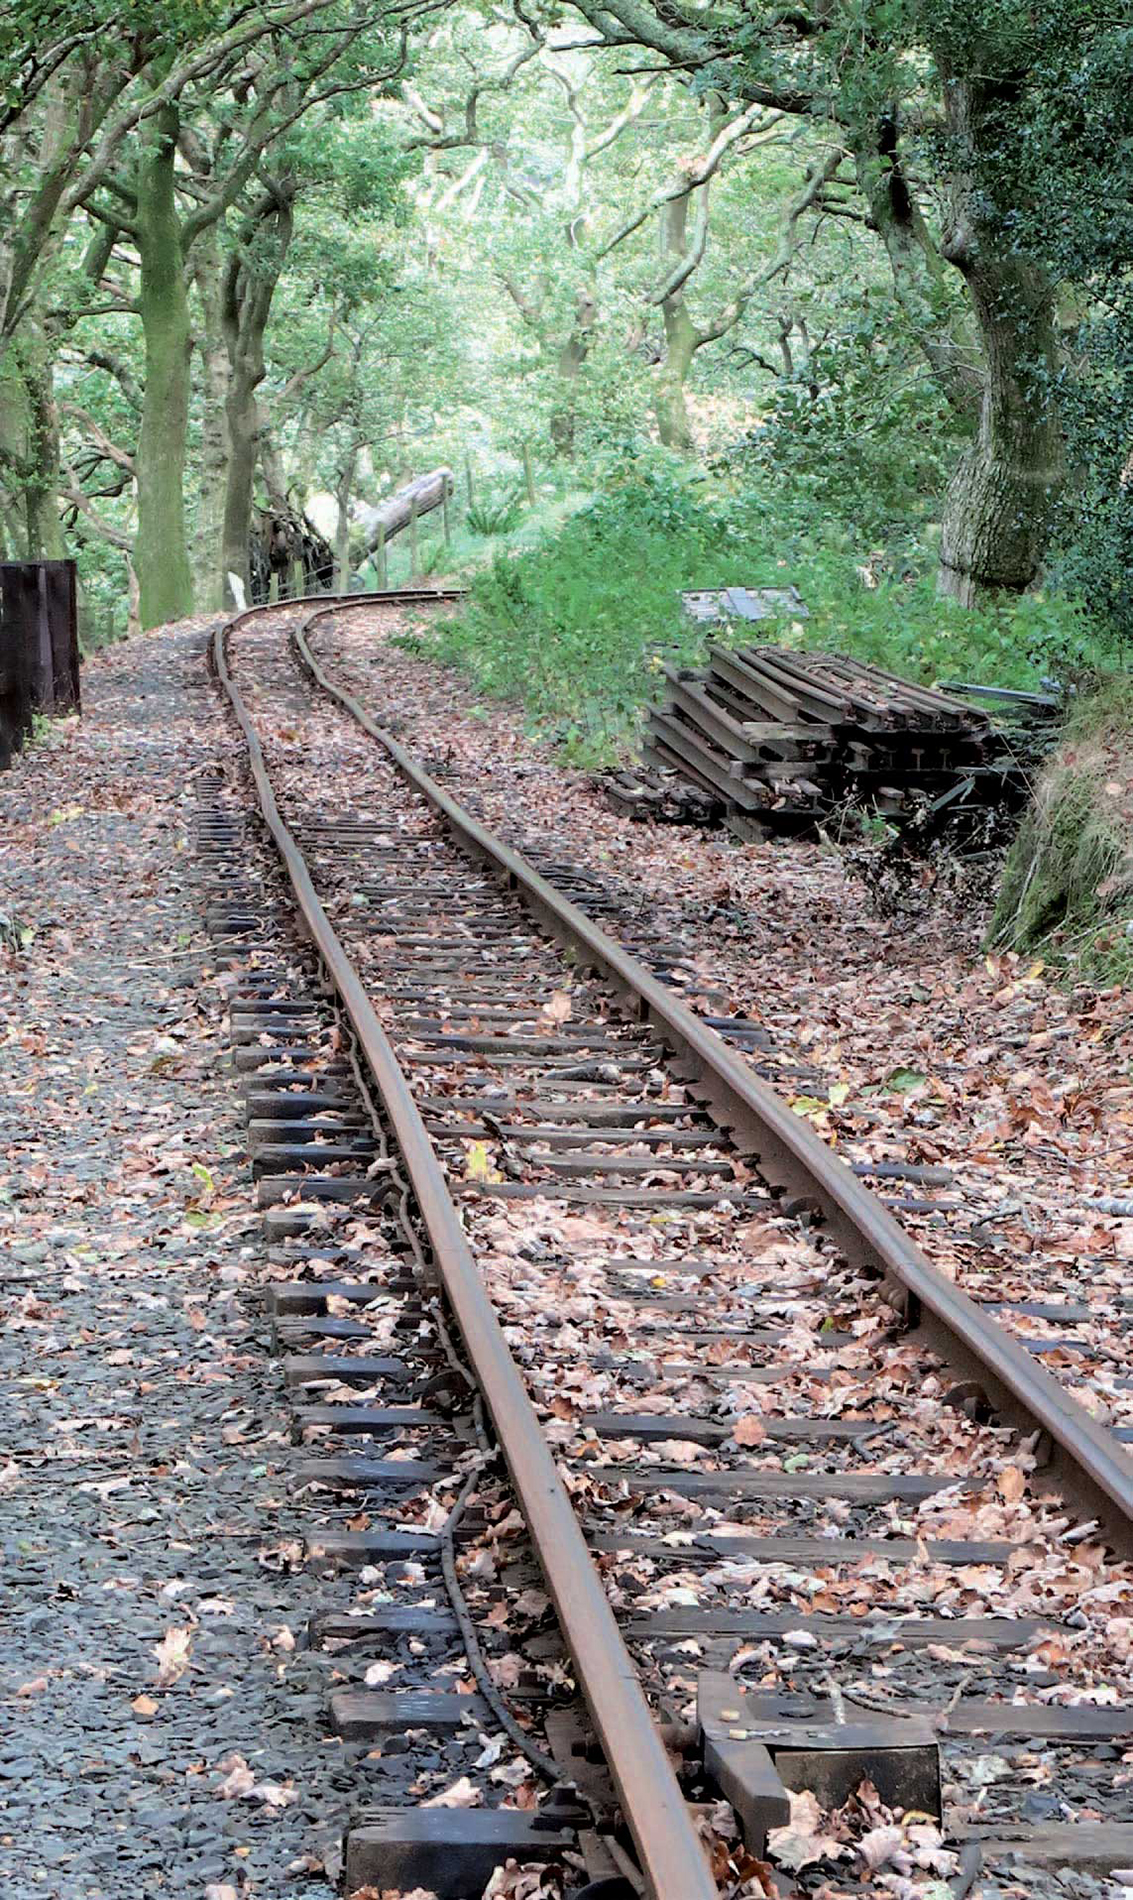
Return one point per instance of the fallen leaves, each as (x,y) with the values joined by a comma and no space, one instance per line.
(239,1784)
(462,1794)
(802,1841)
(173,1654)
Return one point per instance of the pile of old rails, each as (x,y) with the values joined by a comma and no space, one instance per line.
(788,738)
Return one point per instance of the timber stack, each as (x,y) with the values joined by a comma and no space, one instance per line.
(786,739)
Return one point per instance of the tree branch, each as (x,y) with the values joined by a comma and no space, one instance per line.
(110,449)
(698,171)
(788,242)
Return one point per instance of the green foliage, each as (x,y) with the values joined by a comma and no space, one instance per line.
(493,517)
(1068,882)
(862,418)
(577,629)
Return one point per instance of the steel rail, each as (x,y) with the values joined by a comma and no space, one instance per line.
(1086,1462)
(671,1857)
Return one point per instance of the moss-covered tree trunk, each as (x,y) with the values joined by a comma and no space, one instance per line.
(996,363)
(162,553)
(208,537)
(681,337)
(29,447)
(344,488)
(250,280)
(568,367)
(997,515)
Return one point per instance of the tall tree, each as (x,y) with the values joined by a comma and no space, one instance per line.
(914,89)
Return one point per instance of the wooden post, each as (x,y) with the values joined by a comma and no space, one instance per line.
(529,475)
(468,478)
(383,565)
(414,547)
(446,518)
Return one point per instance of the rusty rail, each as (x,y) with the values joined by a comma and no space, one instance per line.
(672,1860)
(1087,1462)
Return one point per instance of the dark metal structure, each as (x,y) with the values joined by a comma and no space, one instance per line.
(39,646)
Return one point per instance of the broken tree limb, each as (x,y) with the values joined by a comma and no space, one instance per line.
(417,498)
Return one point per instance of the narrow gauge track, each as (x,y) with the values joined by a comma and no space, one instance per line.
(740,1368)
(1012,1218)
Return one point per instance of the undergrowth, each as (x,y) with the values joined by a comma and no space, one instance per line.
(577,624)
(1068,881)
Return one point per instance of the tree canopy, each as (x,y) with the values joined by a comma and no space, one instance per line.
(262,264)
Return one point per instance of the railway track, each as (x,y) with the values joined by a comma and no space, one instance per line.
(791,1493)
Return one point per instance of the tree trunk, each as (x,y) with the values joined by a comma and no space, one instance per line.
(946,338)
(164,575)
(342,527)
(29,446)
(249,285)
(208,568)
(996,368)
(681,339)
(571,358)
(242,413)
(669,404)
(997,515)
(45,530)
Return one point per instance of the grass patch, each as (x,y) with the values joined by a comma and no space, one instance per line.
(1068,881)
(574,616)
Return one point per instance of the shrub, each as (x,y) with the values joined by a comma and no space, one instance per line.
(488,518)
(577,625)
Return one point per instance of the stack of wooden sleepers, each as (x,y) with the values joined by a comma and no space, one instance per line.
(787,738)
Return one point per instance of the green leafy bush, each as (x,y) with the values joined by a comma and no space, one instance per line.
(487,517)
(578,626)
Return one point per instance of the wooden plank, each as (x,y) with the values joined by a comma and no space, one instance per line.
(817,1553)
(1099,1846)
(711,767)
(658,1427)
(775,670)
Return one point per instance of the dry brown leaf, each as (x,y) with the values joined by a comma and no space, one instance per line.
(1012,1484)
(461,1795)
(173,1653)
(238,1779)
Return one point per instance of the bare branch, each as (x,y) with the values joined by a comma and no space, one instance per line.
(793,210)
(698,171)
(110,449)
(77,495)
